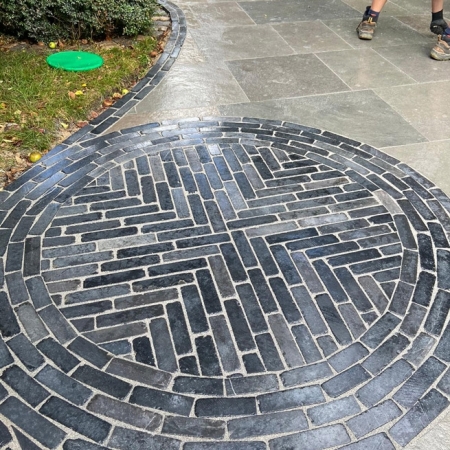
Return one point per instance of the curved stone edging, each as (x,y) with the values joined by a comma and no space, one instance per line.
(157,72)
(374,230)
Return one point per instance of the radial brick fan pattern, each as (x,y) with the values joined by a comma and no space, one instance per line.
(228,283)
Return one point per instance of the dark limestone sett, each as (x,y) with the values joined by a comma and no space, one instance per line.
(26,352)
(376,265)
(17,288)
(79,444)
(94,226)
(202,428)
(87,309)
(164,351)
(8,322)
(178,326)
(347,357)
(24,442)
(57,324)
(34,424)
(333,319)
(401,298)
(309,310)
(419,382)
(209,362)
(5,355)
(235,445)
(286,265)
(413,320)
(292,398)
(412,216)
(374,418)
(266,424)
(232,260)
(426,252)
(388,351)
(420,349)
(125,413)
(144,250)
(143,351)
(76,419)
(264,256)
(334,410)
(204,240)
(404,231)
(252,363)
(208,291)
(269,352)
(333,249)
(318,439)
(284,299)
(102,381)
(306,343)
(262,290)
(252,308)
(164,401)
(188,365)
(438,313)
(239,326)
(224,407)
(438,235)
(424,288)
(194,309)
(443,269)
(109,234)
(330,281)
(304,375)
(408,272)
(418,417)
(5,435)
(113,278)
(379,441)
(27,388)
(131,315)
(164,269)
(65,386)
(187,229)
(89,352)
(58,354)
(195,385)
(419,205)
(15,257)
(292,236)
(87,199)
(353,289)
(162,282)
(215,216)
(346,381)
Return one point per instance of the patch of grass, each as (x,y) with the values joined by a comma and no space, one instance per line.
(38,105)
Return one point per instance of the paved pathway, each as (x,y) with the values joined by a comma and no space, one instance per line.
(233,282)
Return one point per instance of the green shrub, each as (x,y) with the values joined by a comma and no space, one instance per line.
(50,20)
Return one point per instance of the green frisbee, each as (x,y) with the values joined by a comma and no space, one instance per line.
(75,61)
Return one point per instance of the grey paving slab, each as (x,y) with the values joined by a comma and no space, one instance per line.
(347,113)
(284,77)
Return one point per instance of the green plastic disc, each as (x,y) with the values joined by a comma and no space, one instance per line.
(75,61)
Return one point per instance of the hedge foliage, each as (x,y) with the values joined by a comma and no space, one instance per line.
(50,20)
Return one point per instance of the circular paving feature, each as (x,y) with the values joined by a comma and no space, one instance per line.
(228,283)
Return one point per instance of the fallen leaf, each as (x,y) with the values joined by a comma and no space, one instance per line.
(78,93)
(64,125)
(71,95)
(116,95)
(82,123)
(107,103)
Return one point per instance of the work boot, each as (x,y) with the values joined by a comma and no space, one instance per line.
(366,28)
(438,26)
(441,51)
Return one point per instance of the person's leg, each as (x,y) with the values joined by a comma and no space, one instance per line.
(368,24)
(438,24)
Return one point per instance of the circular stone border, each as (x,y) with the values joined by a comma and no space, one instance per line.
(416,358)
